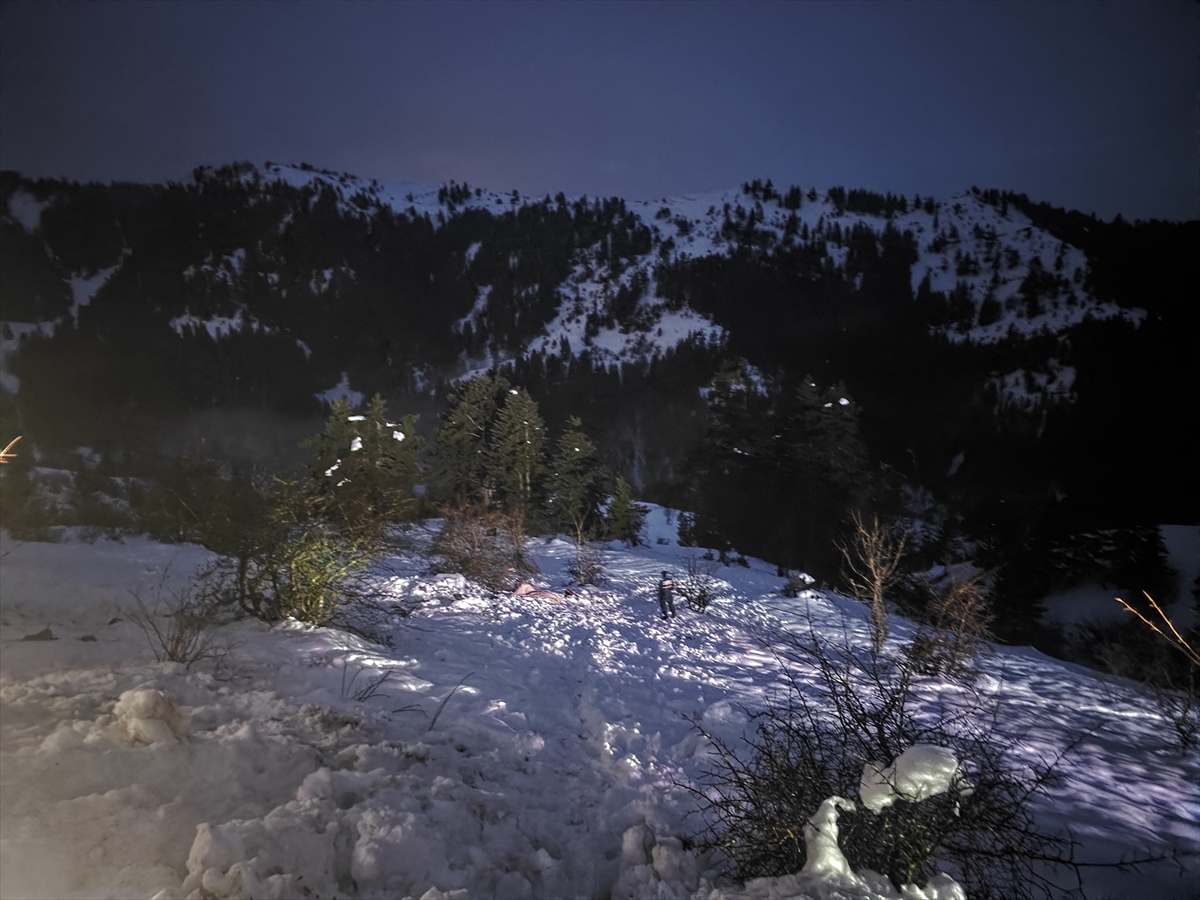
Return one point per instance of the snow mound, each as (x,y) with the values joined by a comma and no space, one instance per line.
(148,716)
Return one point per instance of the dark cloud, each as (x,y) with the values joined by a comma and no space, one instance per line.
(1092,106)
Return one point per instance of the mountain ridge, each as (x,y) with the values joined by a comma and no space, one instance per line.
(611,310)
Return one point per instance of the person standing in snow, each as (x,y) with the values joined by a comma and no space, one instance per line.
(666,596)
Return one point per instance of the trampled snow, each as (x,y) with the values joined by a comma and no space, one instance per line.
(516,746)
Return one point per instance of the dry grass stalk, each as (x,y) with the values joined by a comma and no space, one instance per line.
(1176,639)
(6,455)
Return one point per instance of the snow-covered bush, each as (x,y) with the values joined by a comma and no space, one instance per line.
(846,711)
(796,583)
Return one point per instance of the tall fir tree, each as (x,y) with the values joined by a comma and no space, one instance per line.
(576,484)
(827,468)
(779,469)
(464,440)
(515,463)
(625,517)
(733,462)
(365,467)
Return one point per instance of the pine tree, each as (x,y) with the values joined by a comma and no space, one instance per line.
(464,440)
(334,439)
(515,460)
(733,462)
(1138,562)
(576,484)
(625,517)
(822,435)
(796,451)
(365,467)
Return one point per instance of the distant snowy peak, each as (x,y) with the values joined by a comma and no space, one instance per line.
(357,196)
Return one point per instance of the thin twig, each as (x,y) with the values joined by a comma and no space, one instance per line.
(446,700)
(367,692)
(412,707)
(6,454)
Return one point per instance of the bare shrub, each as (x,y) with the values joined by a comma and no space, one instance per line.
(587,565)
(956,620)
(1179,704)
(178,624)
(872,557)
(816,742)
(1175,639)
(1174,689)
(698,587)
(1171,678)
(486,546)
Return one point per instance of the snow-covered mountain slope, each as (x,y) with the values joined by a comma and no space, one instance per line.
(985,250)
(518,747)
(992,273)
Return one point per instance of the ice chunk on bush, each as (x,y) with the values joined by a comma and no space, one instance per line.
(923,770)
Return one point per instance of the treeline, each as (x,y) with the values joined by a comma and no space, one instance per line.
(1137,382)
(779,470)
(493,453)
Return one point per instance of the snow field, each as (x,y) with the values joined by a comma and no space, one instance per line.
(518,747)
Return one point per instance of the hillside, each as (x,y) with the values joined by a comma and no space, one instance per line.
(1020,373)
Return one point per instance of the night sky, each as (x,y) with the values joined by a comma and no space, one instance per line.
(1092,106)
